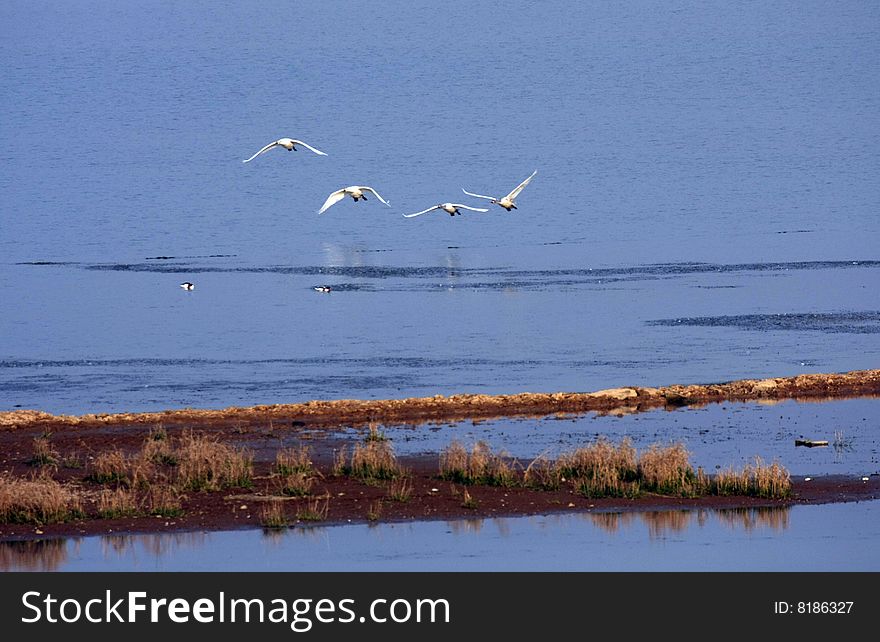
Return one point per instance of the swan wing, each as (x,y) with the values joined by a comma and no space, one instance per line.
(521,186)
(435,207)
(468,207)
(491,198)
(265,149)
(307,146)
(334,198)
(370,189)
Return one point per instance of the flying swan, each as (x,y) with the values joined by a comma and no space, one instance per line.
(355,191)
(449,208)
(288,144)
(507,202)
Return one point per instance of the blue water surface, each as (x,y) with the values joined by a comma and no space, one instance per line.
(705,206)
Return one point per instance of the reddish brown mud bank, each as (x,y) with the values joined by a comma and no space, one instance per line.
(348,500)
(857,383)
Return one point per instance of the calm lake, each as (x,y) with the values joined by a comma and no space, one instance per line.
(705,206)
(830,537)
(705,209)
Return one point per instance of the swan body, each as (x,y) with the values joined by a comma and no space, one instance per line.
(507,202)
(355,191)
(449,208)
(287,143)
(186,285)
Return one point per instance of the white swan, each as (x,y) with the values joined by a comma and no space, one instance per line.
(288,144)
(355,191)
(449,208)
(507,202)
(186,285)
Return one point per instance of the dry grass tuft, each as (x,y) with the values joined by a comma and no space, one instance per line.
(666,470)
(467,500)
(480,466)
(542,474)
(39,500)
(340,462)
(600,469)
(374,512)
(295,484)
(44,454)
(294,460)
(163,500)
(758,480)
(121,502)
(159,449)
(374,461)
(206,464)
(111,467)
(315,510)
(375,434)
(272,515)
(400,490)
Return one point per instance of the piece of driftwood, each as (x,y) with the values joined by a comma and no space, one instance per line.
(810,443)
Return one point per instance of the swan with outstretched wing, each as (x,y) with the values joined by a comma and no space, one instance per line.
(355,191)
(507,202)
(287,143)
(449,208)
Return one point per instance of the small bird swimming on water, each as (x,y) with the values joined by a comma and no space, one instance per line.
(355,191)
(449,208)
(186,285)
(322,288)
(507,202)
(287,143)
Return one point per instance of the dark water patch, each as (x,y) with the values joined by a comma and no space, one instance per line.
(795,231)
(717,287)
(832,322)
(385,272)
(349,287)
(674,269)
(47,263)
(197,256)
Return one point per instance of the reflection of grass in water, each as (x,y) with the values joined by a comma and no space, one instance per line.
(465,526)
(677,521)
(773,517)
(33,555)
(155,544)
(661,522)
(611,522)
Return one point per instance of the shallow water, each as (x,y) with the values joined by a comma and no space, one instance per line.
(830,537)
(702,170)
(716,435)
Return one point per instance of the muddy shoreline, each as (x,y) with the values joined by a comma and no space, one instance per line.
(76,442)
(353,502)
(858,383)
